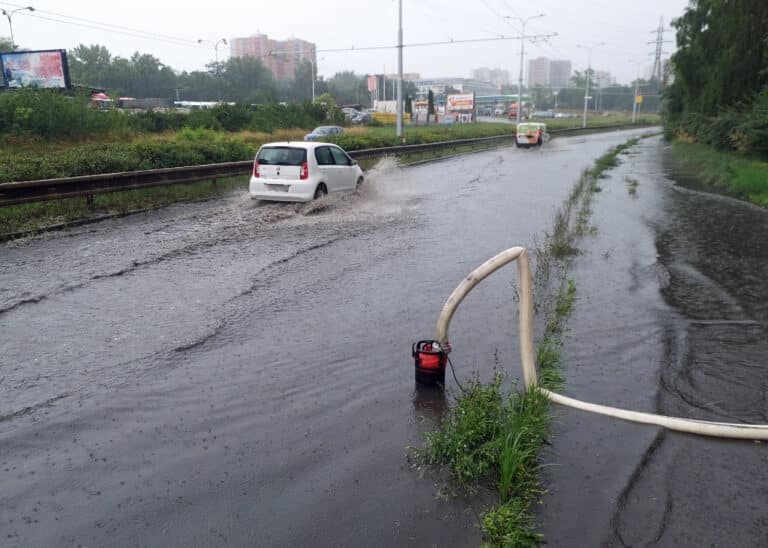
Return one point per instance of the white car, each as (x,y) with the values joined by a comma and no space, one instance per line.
(302,171)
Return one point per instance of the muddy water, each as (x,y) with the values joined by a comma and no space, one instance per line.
(239,374)
(671,318)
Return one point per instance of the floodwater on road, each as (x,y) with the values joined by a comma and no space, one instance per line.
(233,373)
(671,318)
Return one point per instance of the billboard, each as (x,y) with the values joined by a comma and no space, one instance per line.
(464,101)
(35,69)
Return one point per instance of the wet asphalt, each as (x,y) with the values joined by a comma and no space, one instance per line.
(235,373)
(671,318)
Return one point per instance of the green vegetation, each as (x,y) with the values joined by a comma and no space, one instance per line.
(186,148)
(48,115)
(719,95)
(632,186)
(245,80)
(739,175)
(495,438)
(376,137)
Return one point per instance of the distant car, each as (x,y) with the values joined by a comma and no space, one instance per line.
(323,131)
(530,134)
(302,172)
(361,118)
(543,114)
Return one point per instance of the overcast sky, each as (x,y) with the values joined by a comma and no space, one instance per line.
(170,29)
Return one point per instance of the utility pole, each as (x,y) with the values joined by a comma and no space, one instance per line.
(400,70)
(523,22)
(659,42)
(637,80)
(589,70)
(216,54)
(314,72)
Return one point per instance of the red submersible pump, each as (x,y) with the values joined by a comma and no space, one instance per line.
(429,359)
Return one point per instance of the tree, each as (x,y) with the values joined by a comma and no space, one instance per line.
(430,105)
(6,44)
(89,65)
(722,55)
(349,88)
(332,110)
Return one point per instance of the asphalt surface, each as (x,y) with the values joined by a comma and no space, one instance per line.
(671,318)
(234,373)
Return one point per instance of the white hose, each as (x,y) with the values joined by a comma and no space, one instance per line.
(704,428)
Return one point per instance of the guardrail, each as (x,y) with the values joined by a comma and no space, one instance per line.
(88,185)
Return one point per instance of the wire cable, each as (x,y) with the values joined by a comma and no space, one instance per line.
(454,375)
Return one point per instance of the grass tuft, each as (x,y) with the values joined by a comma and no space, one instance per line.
(496,438)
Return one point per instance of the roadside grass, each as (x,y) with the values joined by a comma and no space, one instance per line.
(632,184)
(731,173)
(37,216)
(495,438)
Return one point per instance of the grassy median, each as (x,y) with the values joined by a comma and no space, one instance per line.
(495,438)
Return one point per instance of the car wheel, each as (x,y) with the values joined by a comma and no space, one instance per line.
(320,191)
(359,183)
(518,145)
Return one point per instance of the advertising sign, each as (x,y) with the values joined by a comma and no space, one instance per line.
(35,69)
(465,101)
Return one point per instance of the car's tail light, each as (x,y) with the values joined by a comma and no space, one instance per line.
(304,173)
(256,169)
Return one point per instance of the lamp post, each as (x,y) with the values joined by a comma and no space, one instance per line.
(314,77)
(216,54)
(589,69)
(399,95)
(523,22)
(637,80)
(9,14)
(215,48)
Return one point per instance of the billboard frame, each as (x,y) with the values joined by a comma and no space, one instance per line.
(64,66)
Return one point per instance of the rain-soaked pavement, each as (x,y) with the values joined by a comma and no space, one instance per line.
(231,373)
(671,318)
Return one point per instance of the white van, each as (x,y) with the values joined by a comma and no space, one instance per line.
(530,134)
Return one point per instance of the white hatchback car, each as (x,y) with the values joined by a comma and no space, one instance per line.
(302,171)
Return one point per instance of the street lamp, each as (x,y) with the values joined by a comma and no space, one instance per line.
(215,48)
(523,22)
(216,53)
(637,79)
(589,69)
(9,14)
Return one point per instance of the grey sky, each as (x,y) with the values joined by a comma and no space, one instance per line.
(624,25)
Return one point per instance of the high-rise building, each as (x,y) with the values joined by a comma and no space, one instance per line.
(543,72)
(538,72)
(282,57)
(604,79)
(559,73)
(498,77)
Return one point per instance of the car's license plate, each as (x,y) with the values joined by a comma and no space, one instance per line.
(278,188)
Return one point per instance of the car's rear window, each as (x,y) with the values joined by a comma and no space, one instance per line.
(282,156)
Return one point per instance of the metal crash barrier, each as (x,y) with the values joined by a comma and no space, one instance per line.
(520,254)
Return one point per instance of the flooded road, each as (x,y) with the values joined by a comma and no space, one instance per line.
(671,318)
(238,374)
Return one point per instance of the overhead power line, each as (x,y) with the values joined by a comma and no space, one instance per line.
(107,27)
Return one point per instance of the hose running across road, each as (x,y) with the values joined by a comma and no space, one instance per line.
(520,254)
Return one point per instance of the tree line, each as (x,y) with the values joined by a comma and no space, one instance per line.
(719,89)
(239,79)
